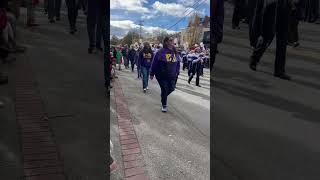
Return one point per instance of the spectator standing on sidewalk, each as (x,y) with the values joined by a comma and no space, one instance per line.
(54,7)
(145,60)
(107,55)
(73,7)
(125,56)
(131,55)
(119,58)
(30,12)
(45,6)
(3,53)
(165,67)
(136,60)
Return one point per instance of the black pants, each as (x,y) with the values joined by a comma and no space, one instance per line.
(238,12)
(281,44)
(73,7)
(132,64)
(167,87)
(54,7)
(212,61)
(94,28)
(189,68)
(293,35)
(196,70)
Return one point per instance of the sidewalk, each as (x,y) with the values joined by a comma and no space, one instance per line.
(10,151)
(176,144)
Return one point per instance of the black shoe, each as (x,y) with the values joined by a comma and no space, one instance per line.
(198,85)
(72,31)
(9,60)
(52,21)
(253,64)
(58,18)
(100,49)
(296,44)
(235,27)
(283,76)
(189,81)
(3,79)
(32,24)
(90,50)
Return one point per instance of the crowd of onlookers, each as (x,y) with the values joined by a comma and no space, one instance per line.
(194,58)
(8,32)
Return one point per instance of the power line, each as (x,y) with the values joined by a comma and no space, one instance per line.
(189,8)
(186,15)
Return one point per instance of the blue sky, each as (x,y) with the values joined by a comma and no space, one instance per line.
(156,14)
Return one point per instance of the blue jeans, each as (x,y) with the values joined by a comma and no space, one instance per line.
(145,76)
(167,87)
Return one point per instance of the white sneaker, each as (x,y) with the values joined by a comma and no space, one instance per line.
(164,109)
(147,88)
(144,90)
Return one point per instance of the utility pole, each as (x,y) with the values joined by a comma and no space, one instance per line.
(140,24)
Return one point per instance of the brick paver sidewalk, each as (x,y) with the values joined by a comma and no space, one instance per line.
(131,152)
(41,159)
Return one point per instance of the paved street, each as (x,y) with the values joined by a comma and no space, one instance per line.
(175,145)
(266,128)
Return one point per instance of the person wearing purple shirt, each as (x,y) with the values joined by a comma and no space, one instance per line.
(145,60)
(165,66)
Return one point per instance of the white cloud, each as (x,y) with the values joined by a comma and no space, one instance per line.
(173,9)
(192,2)
(124,24)
(129,5)
(120,28)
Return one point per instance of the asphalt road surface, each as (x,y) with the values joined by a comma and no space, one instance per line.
(176,144)
(266,128)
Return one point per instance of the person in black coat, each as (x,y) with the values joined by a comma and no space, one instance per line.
(73,6)
(294,17)
(132,53)
(217,28)
(54,7)
(270,18)
(239,13)
(311,9)
(94,24)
